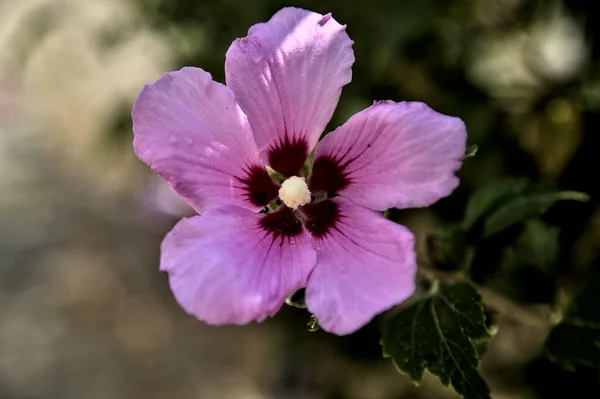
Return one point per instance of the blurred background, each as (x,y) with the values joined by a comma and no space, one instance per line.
(84,311)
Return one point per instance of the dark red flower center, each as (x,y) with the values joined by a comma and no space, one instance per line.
(287,156)
(321,217)
(259,188)
(328,177)
(281,224)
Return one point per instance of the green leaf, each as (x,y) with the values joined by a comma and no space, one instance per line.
(574,342)
(527,267)
(537,246)
(576,339)
(504,203)
(441,333)
(489,196)
(525,206)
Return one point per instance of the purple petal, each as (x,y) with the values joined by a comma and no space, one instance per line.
(229,266)
(399,155)
(365,264)
(287,75)
(190,130)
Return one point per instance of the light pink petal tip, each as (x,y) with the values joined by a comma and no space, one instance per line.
(190,131)
(224,269)
(365,266)
(401,155)
(287,75)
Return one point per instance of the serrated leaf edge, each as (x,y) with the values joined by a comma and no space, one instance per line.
(417,381)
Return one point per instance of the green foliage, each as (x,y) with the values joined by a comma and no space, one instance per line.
(441,333)
(528,205)
(489,197)
(496,207)
(576,339)
(503,203)
(526,267)
(536,246)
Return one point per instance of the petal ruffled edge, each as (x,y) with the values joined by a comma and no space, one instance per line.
(401,155)
(229,267)
(366,264)
(189,129)
(287,75)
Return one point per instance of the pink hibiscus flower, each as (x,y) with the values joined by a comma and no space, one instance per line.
(240,259)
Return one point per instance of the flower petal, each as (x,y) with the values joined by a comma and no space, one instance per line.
(190,131)
(287,75)
(229,266)
(399,155)
(365,264)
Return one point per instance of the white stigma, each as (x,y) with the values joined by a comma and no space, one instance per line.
(294,192)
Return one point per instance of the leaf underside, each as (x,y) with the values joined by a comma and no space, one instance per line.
(441,333)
